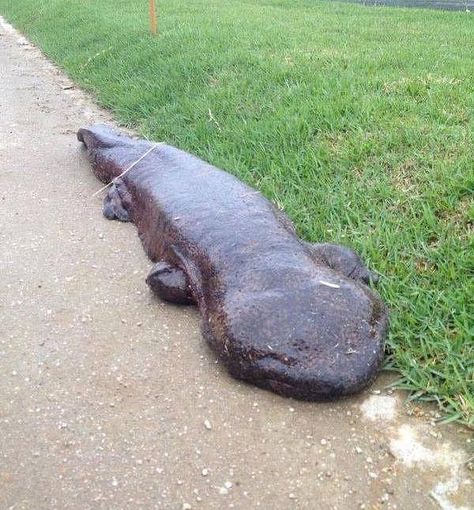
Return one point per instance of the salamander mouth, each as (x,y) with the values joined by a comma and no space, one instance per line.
(318,392)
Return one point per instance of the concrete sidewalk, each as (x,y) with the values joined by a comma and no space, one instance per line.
(447,5)
(111,399)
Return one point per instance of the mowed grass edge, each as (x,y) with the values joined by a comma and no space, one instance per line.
(357,121)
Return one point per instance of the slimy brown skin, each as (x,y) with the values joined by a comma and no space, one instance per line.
(283,314)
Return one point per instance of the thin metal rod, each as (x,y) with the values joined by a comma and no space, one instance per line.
(153,17)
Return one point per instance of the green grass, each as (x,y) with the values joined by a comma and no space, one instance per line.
(358,121)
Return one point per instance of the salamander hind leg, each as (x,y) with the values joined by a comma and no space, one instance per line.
(343,260)
(170,283)
(113,208)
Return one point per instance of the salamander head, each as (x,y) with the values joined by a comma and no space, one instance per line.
(316,342)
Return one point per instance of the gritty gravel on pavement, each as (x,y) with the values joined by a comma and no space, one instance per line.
(111,399)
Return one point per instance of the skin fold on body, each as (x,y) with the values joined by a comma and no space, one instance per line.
(286,315)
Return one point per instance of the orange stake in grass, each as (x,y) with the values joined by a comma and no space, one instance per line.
(153,17)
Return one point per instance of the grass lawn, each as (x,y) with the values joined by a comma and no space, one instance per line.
(358,121)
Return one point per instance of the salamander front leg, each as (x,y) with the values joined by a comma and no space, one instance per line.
(170,283)
(343,260)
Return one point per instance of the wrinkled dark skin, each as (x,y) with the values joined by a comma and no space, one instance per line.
(286,315)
